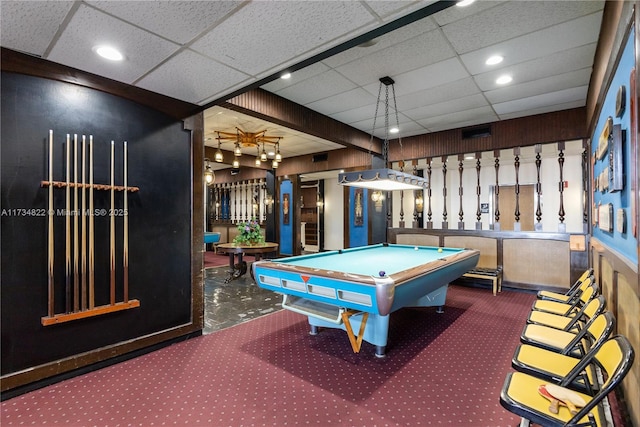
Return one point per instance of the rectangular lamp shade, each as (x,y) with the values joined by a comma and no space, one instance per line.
(383,180)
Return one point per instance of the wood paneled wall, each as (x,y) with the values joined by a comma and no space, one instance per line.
(551,261)
(269,106)
(540,129)
(619,284)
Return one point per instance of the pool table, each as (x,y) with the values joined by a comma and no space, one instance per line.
(357,289)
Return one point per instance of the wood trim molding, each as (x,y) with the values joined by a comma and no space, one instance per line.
(268,106)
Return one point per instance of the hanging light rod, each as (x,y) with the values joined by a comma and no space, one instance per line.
(384,179)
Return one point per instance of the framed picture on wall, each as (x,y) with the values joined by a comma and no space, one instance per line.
(603,141)
(285,208)
(616,173)
(358,207)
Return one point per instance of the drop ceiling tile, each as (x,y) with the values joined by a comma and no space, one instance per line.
(191,77)
(418,52)
(297,77)
(383,42)
(343,101)
(550,98)
(480,114)
(431,76)
(355,115)
(89,27)
(437,109)
(391,8)
(316,88)
(578,34)
(411,128)
(264,34)
(540,86)
(513,19)
(547,66)
(453,14)
(179,21)
(380,131)
(31,26)
(453,90)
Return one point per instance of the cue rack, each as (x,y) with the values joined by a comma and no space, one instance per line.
(79,225)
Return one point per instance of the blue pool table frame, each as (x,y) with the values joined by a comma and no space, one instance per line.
(344,300)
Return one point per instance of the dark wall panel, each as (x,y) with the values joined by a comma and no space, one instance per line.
(159,157)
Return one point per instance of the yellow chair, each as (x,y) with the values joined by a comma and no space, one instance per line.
(556,367)
(520,394)
(575,344)
(573,293)
(567,309)
(567,323)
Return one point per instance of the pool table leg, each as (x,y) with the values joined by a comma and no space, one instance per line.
(440,309)
(313,330)
(380,351)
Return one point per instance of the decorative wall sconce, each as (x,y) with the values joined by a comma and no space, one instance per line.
(377,197)
(419,203)
(268,202)
(319,201)
(209,175)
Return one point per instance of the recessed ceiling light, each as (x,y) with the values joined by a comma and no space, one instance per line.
(503,80)
(108,52)
(286,76)
(493,60)
(394,130)
(463,3)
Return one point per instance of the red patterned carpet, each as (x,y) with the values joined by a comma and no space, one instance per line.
(440,369)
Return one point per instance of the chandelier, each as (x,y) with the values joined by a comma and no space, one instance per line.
(385,179)
(242,140)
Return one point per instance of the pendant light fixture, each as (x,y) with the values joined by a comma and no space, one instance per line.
(385,179)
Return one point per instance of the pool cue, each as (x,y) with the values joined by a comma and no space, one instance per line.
(112,233)
(76,278)
(68,230)
(125,238)
(50,254)
(91,228)
(83,232)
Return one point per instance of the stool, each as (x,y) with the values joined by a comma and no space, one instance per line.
(493,274)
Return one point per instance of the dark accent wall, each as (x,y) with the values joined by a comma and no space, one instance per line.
(160,156)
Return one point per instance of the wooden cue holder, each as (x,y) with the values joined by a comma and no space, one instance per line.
(76,312)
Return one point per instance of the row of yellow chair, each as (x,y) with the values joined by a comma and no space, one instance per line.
(566,347)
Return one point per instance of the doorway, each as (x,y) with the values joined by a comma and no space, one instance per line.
(309,217)
(507,206)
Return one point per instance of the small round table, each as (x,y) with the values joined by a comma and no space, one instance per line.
(238,269)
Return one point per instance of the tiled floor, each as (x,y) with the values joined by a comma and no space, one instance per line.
(227,304)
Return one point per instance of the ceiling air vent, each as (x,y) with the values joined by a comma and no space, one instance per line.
(320,157)
(477,132)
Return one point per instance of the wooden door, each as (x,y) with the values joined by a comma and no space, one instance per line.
(507,205)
